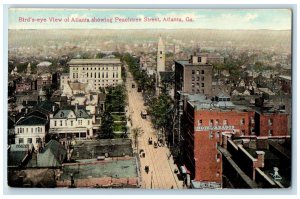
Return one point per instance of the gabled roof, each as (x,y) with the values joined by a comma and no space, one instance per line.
(64,112)
(32,120)
(53,155)
(47,106)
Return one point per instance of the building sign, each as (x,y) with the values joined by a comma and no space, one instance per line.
(206,185)
(213,128)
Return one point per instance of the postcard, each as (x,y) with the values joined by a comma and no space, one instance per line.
(149,98)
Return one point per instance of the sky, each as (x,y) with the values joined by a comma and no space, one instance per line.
(273,19)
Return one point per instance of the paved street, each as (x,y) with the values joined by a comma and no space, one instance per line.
(161,174)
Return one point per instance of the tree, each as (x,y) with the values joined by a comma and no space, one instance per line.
(100,55)
(136,133)
(115,98)
(161,111)
(106,130)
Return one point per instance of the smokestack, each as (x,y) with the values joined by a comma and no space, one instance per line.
(260,158)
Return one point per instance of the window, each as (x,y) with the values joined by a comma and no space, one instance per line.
(199,122)
(193,79)
(270,122)
(270,132)
(242,132)
(62,114)
(29,140)
(217,135)
(211,135)
(211,122)
(21,140)
(193,85)
(160,52)
(243,121)
(88,122)
(55,123)
(218,157)
(202,84)
(252,120)
(87,75)
(202,71)
(106,75)
(60,122)
(202,78)
(217,122)
(197,72)
(71,123)
(193,72)
(37,140)
(225,122)
(117,75)
(199,59)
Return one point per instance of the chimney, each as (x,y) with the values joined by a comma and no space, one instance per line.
(260,159)
(76,107)
(53,108)
(225,139)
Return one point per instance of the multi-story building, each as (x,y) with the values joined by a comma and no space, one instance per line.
(205,121)
(25,85)
(71,122)
(31,130)
(97,72)
(64,79)
(44,80)
(193,76)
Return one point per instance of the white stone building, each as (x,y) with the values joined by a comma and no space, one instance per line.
(31,130)
(96,72)
(72,122)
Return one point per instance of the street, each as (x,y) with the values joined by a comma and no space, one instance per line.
(161,168)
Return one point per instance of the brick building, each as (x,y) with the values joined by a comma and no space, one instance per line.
(44,80)
(271,124)
(204,121)
(25,85)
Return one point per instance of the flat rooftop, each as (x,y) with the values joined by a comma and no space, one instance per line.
(114,168)
(187,63)
(94,61)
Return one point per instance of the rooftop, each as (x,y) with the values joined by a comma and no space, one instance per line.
(187,63)
(285,77)
(94,61)
(116,168)
(32,120)
(93,149)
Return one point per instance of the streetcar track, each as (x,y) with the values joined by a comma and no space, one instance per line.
(158,170)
